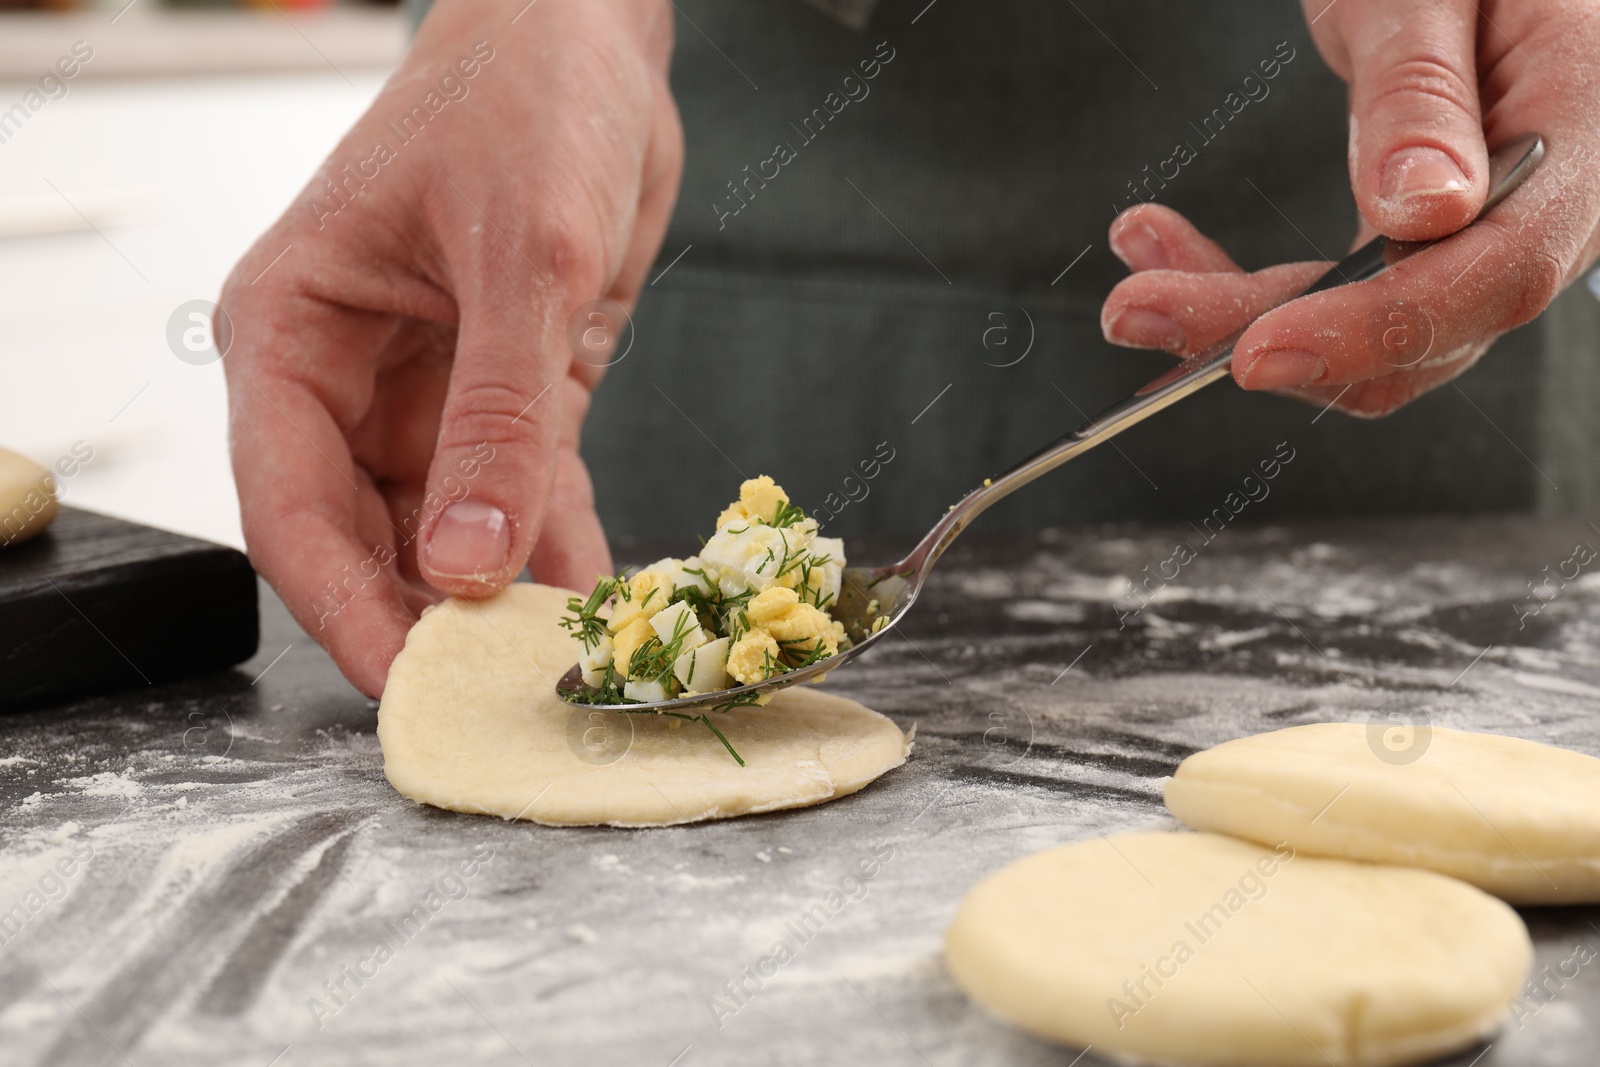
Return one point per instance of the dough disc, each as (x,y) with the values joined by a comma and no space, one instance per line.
(27,498)
(470,723)
(1320,963)
(1519,819)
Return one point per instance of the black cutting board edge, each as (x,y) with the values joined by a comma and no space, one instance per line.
(96,604)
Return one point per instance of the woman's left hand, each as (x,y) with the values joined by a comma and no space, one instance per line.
(1433,85)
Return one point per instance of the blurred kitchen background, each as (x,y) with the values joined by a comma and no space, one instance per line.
(129,188)
(140,179)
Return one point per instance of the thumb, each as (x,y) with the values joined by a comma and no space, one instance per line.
(1418,164)
(495,457)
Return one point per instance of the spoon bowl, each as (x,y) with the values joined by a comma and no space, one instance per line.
(865,596)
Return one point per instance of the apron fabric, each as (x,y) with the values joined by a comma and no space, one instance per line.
(883,278)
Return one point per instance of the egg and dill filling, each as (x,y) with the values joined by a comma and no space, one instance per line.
(750,605)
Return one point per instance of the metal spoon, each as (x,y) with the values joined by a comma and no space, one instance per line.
(894,588)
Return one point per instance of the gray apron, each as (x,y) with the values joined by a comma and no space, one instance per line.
(883,278)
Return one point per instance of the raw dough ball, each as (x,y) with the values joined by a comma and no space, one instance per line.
(470,721)
(1200,949)
(1519,819)
(27,498)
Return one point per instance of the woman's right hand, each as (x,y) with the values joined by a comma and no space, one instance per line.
(404,399)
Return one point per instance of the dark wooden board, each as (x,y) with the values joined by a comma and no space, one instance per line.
(96,604)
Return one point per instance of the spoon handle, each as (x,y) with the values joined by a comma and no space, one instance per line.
(1508,166)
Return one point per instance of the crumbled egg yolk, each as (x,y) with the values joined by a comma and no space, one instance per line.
(647,593)
(779,612)
(628,640)
(749,656)
(755,604)
(759,501)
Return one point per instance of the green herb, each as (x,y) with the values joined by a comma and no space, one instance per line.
(813,653)
(743,700)
(809,565)
(585,621)
(787,515)
(673,649)
(692,718)
(792,558)
(609,691)
(643,657)
(715,609)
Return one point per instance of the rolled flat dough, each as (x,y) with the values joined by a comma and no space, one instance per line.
(1192,948)
(1519,819)
(27,498)
(470,721)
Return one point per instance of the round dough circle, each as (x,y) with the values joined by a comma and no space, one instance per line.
(470,721)
(27,498)
(1319,962)
(1519,819)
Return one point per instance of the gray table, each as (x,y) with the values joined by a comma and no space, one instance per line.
(246,848)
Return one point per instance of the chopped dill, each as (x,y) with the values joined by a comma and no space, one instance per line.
(694,718)
(585,620)
(610,694)
(816,653)
(716,608)
(743,700)
(787,515)
(609,691)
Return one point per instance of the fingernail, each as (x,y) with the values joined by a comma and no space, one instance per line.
(1282,369)
(1140,248)
(1147,329)
(471,540)
(1419,170)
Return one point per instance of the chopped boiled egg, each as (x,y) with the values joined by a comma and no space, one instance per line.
(645,692)
(750,658)
(704,669)
(752,603)
(626,643)
(595,660)
(801,628)
(677,622)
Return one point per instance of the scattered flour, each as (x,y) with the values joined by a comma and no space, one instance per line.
(1047,611)
(1555,685)
(1226,640)
(107,784)
(691,884)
